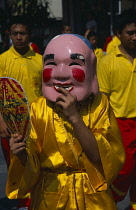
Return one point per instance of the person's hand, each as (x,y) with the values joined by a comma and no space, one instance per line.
(68,105)
(4,132)
(17,145)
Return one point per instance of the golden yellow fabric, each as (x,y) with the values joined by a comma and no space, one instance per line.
(26,69)
(113,44)
(133,205)
(58,172)
(99,54)
(116,77)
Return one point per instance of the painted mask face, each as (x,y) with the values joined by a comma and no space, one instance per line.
(71,64)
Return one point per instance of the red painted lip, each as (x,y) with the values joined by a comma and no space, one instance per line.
(66,86)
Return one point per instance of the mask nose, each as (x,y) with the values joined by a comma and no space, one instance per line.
(62,73)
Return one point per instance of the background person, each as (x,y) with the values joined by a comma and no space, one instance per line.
(91,22)
(66,28)
(93,40)
(111,41)
(116,75)
(22,64)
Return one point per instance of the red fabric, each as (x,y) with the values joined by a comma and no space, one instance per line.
(109,38)
(35,47)
(127,176)
(6,150)
(25,202)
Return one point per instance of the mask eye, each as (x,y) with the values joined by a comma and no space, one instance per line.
(51,63)
(75,63)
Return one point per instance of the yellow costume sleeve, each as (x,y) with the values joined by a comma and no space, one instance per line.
(105,129)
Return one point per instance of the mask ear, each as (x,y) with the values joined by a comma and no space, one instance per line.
(95,86)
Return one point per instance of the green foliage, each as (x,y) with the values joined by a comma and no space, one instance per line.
(36,10)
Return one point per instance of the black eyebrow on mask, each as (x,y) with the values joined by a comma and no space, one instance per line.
(48,57)
(74,56)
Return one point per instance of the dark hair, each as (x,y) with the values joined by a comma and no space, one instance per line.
(126,17)
(24,20)
(91,33)
(64,25)
(115,26)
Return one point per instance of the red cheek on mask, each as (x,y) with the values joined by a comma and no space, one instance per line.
(78,74)
(47,74)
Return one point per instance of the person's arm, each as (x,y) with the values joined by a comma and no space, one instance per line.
(86,33)
(18,147)
(4,132)
(68,104)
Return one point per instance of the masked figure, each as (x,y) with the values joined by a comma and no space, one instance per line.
(75,150)
(71,66)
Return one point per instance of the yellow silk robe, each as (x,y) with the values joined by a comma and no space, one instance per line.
(58,173)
